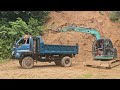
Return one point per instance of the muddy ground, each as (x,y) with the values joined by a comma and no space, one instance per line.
(12,70)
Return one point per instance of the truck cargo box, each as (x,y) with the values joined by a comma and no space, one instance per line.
(55,49)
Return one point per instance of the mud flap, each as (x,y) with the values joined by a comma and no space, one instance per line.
(102,64)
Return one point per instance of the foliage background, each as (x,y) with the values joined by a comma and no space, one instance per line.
(13,25)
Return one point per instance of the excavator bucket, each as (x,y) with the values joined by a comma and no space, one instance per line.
(102,64)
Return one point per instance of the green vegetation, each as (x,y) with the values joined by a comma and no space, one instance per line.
(115,16)
(13,25)
(85,76)
(5,61)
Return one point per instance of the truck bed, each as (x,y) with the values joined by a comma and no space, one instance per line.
(59,49)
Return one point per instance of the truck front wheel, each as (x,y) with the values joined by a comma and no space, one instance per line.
(66,61)
(27,62)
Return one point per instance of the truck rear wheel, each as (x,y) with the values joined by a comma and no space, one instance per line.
(66,61)
(27,62)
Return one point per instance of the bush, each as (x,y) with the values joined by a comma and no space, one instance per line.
(115,16)
(13,30)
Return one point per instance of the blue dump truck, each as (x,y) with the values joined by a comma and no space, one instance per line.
(35,50)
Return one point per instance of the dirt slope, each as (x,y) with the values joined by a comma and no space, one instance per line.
(92,19)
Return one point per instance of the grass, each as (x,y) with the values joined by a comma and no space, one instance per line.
(85,76)
(4,61)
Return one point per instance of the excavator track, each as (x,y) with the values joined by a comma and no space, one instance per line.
(102,64)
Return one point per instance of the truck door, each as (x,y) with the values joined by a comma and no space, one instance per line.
(38,45)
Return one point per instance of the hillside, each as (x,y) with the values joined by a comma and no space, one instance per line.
(92,19)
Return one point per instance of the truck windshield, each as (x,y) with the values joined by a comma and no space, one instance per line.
(22,41)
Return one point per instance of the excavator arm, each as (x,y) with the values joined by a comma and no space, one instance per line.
(91,31)
(109,61)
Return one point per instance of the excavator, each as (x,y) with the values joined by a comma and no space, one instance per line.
(103,52)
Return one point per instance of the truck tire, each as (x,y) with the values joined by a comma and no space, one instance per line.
(58,62)
(20,62)
(66,61)
(27,62)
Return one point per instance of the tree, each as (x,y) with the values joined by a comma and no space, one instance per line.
(13,24)
(115,16)
(25,15)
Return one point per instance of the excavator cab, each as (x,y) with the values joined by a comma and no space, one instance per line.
(103,50)
(104,54)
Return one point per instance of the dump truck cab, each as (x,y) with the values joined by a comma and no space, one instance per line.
(20,49)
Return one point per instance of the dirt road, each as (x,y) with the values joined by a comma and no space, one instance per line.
(12,70)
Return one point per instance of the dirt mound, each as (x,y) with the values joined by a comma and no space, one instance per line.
(92,19)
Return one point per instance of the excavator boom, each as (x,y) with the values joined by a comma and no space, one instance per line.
(93,32)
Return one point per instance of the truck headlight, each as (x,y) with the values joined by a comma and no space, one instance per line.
(12,52)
